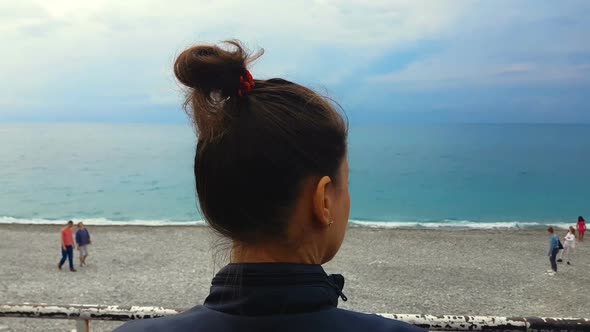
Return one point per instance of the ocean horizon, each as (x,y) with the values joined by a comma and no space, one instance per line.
(402,175)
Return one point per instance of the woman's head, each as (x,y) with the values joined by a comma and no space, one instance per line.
(270,163)
(581,219)
(572,230)
(550,230)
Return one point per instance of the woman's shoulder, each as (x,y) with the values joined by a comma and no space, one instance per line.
(178,322)
(358,321)
(206,319)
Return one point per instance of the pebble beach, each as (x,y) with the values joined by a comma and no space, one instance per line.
(422,271)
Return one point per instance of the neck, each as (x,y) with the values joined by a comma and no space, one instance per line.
(273,253)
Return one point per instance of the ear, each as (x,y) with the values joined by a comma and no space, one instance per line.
(322,202)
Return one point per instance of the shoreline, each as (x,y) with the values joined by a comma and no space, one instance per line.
(451,225)
(413,271)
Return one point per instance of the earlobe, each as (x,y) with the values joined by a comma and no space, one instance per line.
(322,202)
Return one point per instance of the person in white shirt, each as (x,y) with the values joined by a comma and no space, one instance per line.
(569,244)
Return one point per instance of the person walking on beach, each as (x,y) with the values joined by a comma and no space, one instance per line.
(67,246)
(553,250)
(569,244)
(581,225)
(82,242)
(282,149)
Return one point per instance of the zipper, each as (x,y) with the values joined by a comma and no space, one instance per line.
(338,290)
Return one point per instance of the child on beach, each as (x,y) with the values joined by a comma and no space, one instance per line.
(271,176)
(82,242)
(67,246)
(553,250)
(581,225)
(569,245)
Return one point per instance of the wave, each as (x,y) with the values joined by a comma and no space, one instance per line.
(461,224)
(455,224)
(101,222)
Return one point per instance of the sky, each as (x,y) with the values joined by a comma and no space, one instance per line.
(399,60)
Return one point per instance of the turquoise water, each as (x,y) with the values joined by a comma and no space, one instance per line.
(400,174)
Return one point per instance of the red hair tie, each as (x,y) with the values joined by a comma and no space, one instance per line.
(246,84)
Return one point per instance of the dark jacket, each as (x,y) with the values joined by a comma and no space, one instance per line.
(82,237)
(271,297)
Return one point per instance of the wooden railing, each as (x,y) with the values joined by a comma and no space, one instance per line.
(84,314)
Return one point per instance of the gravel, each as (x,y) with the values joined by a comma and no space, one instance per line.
(444,271)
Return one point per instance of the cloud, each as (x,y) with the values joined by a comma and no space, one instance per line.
(507,42)
(112,59)
(69,50)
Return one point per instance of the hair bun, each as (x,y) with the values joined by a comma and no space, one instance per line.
(211,68)
(212,74)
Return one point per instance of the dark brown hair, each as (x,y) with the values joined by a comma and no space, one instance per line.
(550,229)
(254,152)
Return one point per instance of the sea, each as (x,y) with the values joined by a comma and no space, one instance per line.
(401,175)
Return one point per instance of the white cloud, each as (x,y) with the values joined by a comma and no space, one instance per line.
(113,54)
(506,42)
(439,73)
(68,49)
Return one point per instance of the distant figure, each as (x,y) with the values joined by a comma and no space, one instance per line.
(569,244)
(553,250)
(581,225)
(82,242)
(67,246)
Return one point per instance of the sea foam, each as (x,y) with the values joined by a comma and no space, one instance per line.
(461,224)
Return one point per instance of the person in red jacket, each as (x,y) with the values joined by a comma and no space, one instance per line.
(67,246)
(581,225)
